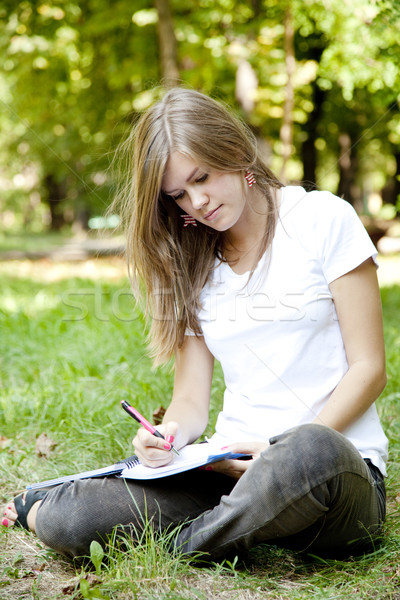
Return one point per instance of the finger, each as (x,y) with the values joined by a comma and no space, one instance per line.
(239,466)
(152,451)
(228,472)
(144,439)
(232,468)
(170,431)
(156,458)
(253,448)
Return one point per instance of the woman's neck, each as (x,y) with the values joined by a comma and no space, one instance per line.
(243,242)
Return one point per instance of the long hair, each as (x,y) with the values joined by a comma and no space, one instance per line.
(172,264)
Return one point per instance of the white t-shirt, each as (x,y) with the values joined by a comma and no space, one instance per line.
(277,335)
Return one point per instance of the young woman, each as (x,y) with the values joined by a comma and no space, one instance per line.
(280,286)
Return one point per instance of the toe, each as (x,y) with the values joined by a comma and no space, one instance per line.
(10,515)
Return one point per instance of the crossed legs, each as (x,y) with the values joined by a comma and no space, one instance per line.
(309,489)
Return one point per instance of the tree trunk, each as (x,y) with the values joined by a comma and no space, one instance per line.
(286,133)
(391,191)
(396,196)
(348,165)
(308,149)
(55,195)
(256,6)
(167,44)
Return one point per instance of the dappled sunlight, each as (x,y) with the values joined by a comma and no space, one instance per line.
(75,290)
(114,269)
(30,304)
(48,271)
(389,270)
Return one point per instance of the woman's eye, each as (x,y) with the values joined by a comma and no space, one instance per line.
(202,178)
(181,194)
(178,196)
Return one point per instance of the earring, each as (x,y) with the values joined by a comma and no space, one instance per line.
(188,220)
(250,177)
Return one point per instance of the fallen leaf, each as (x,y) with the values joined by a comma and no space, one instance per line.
(44,445)
(158,415)
(92,579)
(398,498)
(71,586)
(4,442)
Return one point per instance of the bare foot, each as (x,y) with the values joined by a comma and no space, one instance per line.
(10,515)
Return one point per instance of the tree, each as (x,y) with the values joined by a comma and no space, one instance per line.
(76,73)
(72,72)
(286,133)
(167,44)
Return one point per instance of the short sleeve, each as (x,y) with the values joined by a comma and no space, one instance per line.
(343,242)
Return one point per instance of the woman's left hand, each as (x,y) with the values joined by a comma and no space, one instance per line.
(235,468)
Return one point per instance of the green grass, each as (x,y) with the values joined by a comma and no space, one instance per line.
(32,242)
(71,348)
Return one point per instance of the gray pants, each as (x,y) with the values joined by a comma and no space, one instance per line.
(309,490)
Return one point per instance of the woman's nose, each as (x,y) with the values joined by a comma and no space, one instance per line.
(199,199)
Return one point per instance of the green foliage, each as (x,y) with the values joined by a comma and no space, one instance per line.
(70,72)
(91,593)
(96,555)
(74,74)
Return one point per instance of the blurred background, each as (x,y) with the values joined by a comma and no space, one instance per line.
(318,81)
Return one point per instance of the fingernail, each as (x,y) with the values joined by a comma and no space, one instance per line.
(209,468)
(170,438)
(202,468)
(5,522)
(224,447)
(167,446)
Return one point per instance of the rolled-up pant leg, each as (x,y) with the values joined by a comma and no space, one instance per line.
(310,489)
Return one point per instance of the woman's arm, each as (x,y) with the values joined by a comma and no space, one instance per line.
(187,416)
(358,306)
(194,365)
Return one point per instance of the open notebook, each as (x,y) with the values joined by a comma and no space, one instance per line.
(190,457)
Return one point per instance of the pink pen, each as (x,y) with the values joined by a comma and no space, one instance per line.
(132,412)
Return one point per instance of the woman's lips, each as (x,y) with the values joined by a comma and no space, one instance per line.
(212,214)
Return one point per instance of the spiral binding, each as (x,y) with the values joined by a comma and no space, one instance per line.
(130,462)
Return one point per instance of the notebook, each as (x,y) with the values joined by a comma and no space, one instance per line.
(102,472)
(190,457)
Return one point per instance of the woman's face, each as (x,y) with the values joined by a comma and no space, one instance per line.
(214,198)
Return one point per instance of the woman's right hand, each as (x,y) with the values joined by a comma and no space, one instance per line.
(153,451)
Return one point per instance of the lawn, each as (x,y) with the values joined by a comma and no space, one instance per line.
(72,348)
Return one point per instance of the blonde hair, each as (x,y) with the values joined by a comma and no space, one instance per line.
(173,263)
